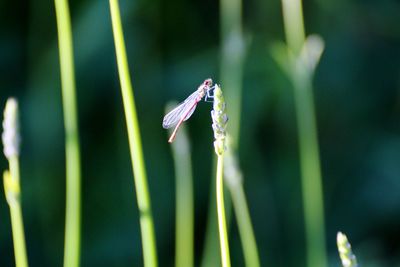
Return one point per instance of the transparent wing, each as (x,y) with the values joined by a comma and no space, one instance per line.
(186,107)
(190,112)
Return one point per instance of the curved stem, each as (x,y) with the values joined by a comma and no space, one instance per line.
(135,143)
(243,218)
(73,173)
(307,133)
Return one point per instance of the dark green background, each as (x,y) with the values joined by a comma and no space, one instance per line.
(172,47)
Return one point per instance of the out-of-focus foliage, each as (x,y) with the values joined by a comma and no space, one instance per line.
(172,47)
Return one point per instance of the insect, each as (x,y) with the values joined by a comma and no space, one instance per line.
(185,109)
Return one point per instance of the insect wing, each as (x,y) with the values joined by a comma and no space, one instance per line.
(187,107)
(190,112)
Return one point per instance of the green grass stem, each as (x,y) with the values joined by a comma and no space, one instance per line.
(243,219)
(11,143)
(231,65)
(72,150)
(135,143)
(184,229)
(223,232)
(234,181)
(231,72)
(12,190)
(220,119)
(307,131)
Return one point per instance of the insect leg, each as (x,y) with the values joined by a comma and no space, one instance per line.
(173,135)
(210,95)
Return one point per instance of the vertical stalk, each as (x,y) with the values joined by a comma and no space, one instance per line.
(184,230)
(294,25)
(18,235)
(135,143)
(11,142)
(73,173)
(308,140)
(231,73)
(16,219)
(243,218)
(12,189)
(232,56)
(220,119)
(234,181)
(223,233)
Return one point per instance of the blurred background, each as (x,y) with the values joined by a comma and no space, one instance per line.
(172,47)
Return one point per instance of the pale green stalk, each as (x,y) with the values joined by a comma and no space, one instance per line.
(184,229)
(12,191)
(223,232)
(135,143)
(307,130)
(243,219)
(234,181)
(11,179)
(220,119)
(72,151)
(232,51)
(231,66)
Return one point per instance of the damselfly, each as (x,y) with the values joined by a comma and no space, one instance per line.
(185,109)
